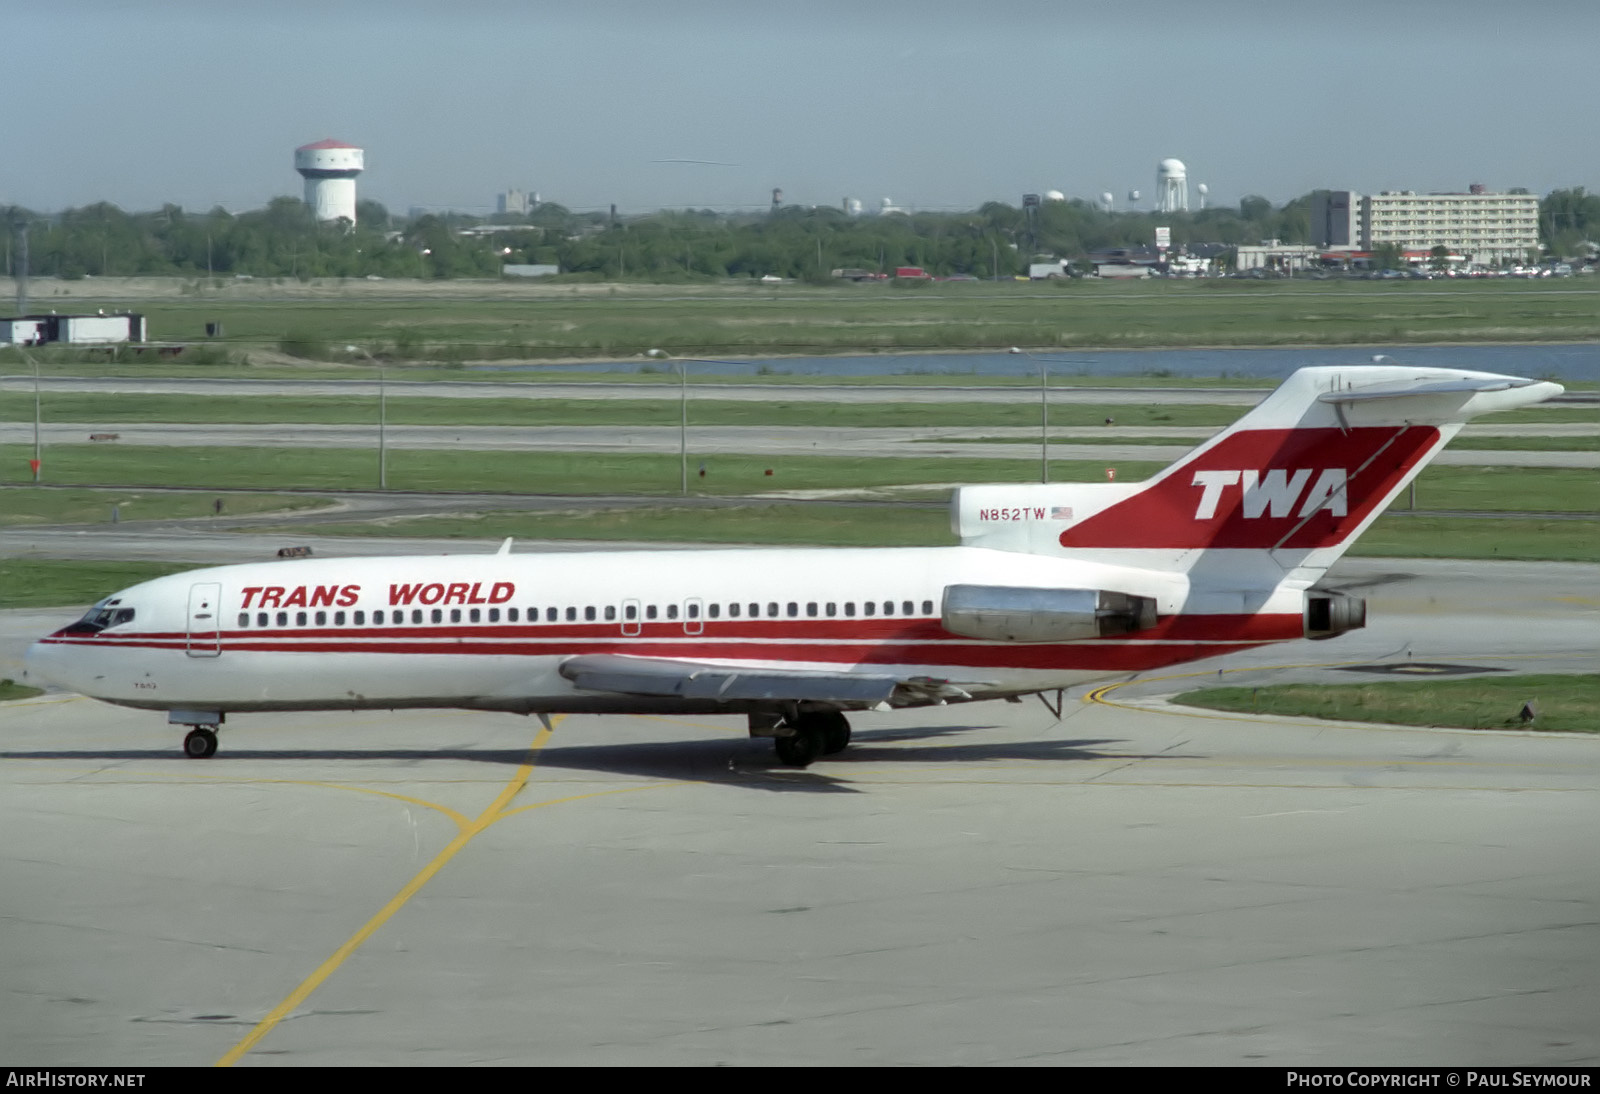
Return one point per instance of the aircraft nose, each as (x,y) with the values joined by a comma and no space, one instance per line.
(40,665)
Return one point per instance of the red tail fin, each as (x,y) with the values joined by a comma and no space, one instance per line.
(1301,475)
(1265,488)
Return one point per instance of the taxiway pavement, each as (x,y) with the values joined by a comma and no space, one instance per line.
(985,884)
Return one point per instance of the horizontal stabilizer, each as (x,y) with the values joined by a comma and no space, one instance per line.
(696,680)
(1423,386)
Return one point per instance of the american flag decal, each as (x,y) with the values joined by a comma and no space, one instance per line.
(1061,512)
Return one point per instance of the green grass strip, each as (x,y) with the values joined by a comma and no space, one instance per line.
(517,472)
(773,525)
(49,583)
(742,319)
(29,505)
(1534,443)
(412,410)
(1519,489)
(10,689)
(1529,539)
(1567,704)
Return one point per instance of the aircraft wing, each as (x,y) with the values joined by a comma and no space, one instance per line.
(698,680)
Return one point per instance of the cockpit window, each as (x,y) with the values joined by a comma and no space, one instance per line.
(107,613)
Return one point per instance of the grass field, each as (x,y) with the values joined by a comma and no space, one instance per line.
(46,583)
(24,505)
(1473,488)
(1401,536)
(1085,435)
(1582,443)
(1568,704)
(1508,489)
(10,689)
(432,333)
(551,322)
(264,409)
(811,525)
(528,473)
(704,410)
(772,525)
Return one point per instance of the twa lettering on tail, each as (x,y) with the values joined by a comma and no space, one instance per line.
(1276,490)
(1054,585)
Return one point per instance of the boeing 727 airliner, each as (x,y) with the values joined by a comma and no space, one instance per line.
(1054,585)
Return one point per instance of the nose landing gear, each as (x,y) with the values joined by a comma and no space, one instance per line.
(201,740)
(200,743)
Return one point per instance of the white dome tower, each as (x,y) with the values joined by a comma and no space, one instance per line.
(330,168)
(1172,187)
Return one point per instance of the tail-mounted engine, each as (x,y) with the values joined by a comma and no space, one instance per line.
(1002,613)
(1330,614)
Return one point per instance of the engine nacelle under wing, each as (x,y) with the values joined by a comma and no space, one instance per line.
(1003,613)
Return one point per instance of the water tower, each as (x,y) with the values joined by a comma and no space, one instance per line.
(1172,187)
(330,168)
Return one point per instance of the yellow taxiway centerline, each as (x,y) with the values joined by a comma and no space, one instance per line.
(387,912)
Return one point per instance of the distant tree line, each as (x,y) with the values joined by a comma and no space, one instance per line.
(1569,221)
(282,240)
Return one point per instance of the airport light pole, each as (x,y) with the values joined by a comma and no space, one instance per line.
(1044,412)
(383,417)
(683,405)
(38,458)
(683,414)
(383,422)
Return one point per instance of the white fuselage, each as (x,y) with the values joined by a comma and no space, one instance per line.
(490,631)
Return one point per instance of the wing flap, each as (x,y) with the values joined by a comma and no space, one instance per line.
(697,680)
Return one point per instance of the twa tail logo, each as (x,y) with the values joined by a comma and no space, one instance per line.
(1265,488)
(1276,489)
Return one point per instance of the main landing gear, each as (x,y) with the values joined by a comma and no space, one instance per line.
(811,734)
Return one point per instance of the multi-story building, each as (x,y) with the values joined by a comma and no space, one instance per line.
(1486,228)
(1335,219)
(513,201)
(1482,227)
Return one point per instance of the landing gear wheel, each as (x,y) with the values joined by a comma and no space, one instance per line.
(801,748)
(835,732)
(199,744)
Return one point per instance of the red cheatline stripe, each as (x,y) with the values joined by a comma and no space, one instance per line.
(1236,627)
(1114,655)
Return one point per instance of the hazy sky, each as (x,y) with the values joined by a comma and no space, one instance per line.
(937,104)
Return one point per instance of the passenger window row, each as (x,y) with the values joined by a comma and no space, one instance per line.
(630,613)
